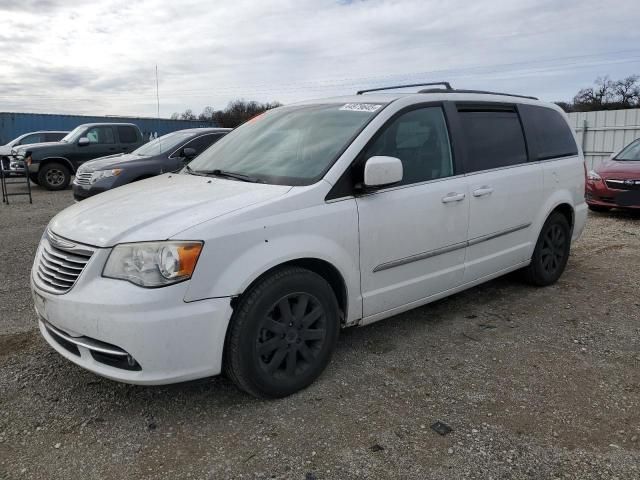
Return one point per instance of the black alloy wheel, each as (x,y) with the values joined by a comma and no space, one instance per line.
(282,333)
(291,336)
(551,252)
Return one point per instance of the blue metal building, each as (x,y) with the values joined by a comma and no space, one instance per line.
(15,124)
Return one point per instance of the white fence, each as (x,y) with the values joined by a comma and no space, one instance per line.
(603,132)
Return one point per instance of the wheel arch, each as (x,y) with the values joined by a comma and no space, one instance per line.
(63,160)
(321,267)
(567,210)
(560,202)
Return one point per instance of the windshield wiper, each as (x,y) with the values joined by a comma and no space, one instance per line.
(227,174)
(191,171)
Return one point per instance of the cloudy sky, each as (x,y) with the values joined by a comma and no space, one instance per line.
(99,57)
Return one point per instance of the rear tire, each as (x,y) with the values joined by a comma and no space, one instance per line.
(282,334)
(599,208)
(54,176)
(551,253)
(34,178)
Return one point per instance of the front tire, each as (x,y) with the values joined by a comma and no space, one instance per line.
(54,176)
(34,178)
(282,334)
(551,253)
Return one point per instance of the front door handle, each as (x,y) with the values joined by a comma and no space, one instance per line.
(453,197)
(483,191)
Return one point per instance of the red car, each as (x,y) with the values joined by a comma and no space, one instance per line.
(615,183)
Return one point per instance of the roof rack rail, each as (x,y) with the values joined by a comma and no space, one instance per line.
(446,84)
(437,90)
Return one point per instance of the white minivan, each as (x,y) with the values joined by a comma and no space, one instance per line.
(306,219)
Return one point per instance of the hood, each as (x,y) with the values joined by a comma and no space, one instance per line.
(623,169)
(36,147)
(5,150)
(112,161)
(157,208)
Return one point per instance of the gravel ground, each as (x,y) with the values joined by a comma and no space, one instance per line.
(535,382)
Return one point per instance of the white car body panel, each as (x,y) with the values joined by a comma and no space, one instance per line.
(160,206)
(417,225)
(501,201)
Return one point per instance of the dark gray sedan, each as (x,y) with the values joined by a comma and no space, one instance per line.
(164,154)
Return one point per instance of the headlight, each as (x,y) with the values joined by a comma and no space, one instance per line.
(153,264)
(100,174)
(592,175)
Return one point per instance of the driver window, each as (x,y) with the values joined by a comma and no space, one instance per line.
(420,140)
(100,135)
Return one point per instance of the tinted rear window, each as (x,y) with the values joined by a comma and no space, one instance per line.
(494,139)
(550,131)
(53,137)
(127,135)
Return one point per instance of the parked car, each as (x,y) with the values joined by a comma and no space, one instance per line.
(164,154)
(51,165)
(311,217)
(26,139)
(615,183)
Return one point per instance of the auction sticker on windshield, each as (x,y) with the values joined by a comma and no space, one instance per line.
(361,107)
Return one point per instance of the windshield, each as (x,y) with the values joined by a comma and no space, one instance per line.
(74,134)
(163,143)
(288,145)
(631,153)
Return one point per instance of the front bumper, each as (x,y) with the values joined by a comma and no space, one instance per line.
(599,194)
(158,337)
(82,191)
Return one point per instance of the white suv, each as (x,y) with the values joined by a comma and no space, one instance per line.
(306,219)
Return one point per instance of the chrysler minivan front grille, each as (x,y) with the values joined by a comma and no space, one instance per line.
(60,263)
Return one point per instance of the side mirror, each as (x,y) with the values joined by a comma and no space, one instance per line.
(380,171)
(83,142)
(189,153)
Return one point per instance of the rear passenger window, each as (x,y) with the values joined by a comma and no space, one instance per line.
(420,140)
(494,139)
(551,132)
(127,135)
(53,137)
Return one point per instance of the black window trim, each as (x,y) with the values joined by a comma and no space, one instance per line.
(221,134)
(345,187)
(492,106)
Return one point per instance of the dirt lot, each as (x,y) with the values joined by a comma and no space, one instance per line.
(535,383)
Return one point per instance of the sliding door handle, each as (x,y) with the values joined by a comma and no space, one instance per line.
(453,197)
(483,191)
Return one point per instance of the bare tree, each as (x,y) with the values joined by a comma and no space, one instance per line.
(627,90)
(188,115)
(236,113)
(607,94)
(208,114)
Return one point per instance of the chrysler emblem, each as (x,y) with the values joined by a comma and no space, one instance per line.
(56,241)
